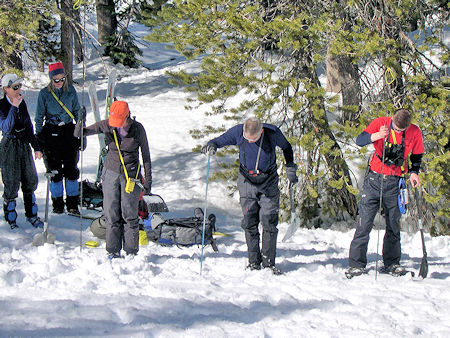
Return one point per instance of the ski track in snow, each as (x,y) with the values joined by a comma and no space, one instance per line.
(62,290)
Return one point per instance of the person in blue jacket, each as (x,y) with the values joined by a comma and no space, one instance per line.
(16,161)
(258,184)
(57,109)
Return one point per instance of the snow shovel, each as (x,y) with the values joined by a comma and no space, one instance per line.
(424,264)
(45,236)
(155,203)
(295,221)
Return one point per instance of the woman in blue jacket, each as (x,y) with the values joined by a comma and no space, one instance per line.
(57,108)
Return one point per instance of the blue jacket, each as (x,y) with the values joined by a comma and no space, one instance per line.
(50,110)
(15,122)
(248,152)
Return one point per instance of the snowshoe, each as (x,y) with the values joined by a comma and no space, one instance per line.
(36,222)
(254,266)
(274,269)
(354,271)
(396,270)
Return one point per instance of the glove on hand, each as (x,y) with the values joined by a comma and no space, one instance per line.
(82,114)
(291,173)
(209,148)
(148,188)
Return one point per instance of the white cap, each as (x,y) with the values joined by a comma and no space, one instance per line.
(10,79)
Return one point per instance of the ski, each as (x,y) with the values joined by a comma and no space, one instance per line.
(101,138)
(112,79)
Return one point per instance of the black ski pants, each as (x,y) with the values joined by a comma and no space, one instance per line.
(368,208)
(61,151)
(260,203)
(119,205)
(18,170)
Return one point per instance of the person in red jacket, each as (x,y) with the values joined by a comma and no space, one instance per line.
(399,138)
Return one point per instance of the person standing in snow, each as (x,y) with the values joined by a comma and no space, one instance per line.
(258,184)
(399,138)
(124,137)
(57,109)
(16,160)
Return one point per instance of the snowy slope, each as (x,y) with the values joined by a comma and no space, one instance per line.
(62,290)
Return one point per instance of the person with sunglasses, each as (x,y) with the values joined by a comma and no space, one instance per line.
(16,161)
(394,138)
(258,184)
(57,110)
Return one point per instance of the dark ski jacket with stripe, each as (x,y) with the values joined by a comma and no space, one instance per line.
(129,145)
(248,152)
(15,122)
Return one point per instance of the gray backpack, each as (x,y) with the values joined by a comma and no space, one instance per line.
(182,231)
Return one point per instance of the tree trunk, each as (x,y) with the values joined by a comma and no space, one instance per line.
(106,20)
(67,38)
(335,161)
(78,38)
(343,77)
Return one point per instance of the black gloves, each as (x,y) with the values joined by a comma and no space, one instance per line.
(82,114)
(291,173)
(209,148)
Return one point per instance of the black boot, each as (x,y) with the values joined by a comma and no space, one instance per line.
(72,204)
(58,205)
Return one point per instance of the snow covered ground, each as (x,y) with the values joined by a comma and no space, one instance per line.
(65,290)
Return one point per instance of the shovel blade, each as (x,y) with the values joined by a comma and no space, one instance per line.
(155,203)
(42,238)
(423,272)
(293,227)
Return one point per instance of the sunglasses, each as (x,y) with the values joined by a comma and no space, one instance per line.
(16,87)
(59,80)
(397,129)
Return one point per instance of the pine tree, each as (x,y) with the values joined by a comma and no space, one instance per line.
(272,50)
(19,22)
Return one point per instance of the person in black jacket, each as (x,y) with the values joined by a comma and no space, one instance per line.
(258,184)
(17,163)
(124,137)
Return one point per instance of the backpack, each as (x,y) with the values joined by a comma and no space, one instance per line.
(92,195)
(182,231)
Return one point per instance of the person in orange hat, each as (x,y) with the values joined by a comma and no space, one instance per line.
(124,137)
(56,114)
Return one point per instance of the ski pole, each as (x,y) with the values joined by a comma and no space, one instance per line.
(424,264)
(381,197)
(204,214)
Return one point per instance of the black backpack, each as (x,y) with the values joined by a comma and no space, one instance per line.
(182,231)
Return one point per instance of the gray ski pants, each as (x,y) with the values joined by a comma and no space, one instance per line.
(18,170)
(119,205)
(368,208)
(260,203)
